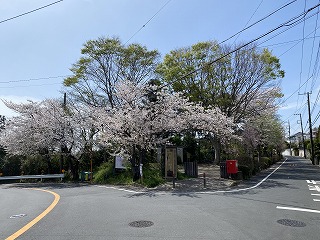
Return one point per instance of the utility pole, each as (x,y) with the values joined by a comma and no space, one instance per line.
(304,147)
(310,129)
(62,146)
(289,139)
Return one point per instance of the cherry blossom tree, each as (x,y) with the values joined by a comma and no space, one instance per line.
(263,132)
(139,121)
(49,127)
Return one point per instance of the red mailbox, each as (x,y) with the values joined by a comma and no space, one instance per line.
(232,166)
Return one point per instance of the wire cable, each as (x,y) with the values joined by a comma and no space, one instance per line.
(147,21)
(290,23)
(20,15)
(302,50)
(258,21)
(35,85)
(238,35)
(36,79)
(314,38)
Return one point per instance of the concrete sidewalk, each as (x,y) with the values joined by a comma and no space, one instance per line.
(212,181)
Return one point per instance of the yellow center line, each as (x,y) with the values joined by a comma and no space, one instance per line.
(38,218)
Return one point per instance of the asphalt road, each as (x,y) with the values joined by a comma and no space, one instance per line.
(278,207)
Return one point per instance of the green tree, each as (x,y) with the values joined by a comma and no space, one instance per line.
(105,62)
(232,82)
(242,84)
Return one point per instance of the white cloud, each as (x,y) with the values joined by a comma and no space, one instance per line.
(288,106)
(7,112)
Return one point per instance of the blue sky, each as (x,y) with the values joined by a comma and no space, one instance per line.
(38,49)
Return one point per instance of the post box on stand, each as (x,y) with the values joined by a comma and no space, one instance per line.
(232,166)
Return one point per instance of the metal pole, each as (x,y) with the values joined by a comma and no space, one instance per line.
(304,147)
(62,147)
(91,170)
(310,129)
(289,139)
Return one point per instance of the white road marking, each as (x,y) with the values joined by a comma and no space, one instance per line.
(299,209)
(249,188)
(314,188)
(206,192)
(120,189)
(313,182)
(316,200)
(315,194)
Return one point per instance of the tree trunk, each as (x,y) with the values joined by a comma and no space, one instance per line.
(217,149)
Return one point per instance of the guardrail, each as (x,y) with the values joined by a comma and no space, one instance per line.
(45,176)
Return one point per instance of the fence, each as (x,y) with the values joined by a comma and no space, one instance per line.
(45,176)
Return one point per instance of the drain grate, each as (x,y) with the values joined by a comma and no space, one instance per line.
(291,223)
(141,224)
(18,216)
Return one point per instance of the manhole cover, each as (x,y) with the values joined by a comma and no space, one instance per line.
(18,215)
(141,224)
(291,223)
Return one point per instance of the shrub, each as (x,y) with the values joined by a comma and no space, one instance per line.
(103,172)
(106,174)
(265,162)
(152,176)
(246,171)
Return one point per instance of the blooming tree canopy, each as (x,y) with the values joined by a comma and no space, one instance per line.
(46,125)
(147,123)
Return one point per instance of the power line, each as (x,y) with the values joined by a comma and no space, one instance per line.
(35,85)
(148,21)
(36,79)
(290,23)
(258,21)
(315,31)
(8,19)
(302,50)
(302,55)
(292,41)
(297,22)
(249,20)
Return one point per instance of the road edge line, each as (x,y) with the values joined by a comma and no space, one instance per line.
(249,188)
(39,217)
(197,192)
(298,209)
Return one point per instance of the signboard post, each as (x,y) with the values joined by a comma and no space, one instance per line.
(120,162)
(170,162)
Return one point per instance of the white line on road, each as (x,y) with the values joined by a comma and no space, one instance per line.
(299,209)
(204,192)
(120,189)
(315,194)
(249,188)
(316,200)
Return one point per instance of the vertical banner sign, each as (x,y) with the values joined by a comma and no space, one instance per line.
(170,162)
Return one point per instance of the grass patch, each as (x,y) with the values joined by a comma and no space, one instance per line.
(105,174)
(152,176)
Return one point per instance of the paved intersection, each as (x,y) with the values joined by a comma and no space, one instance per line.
(278,205)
